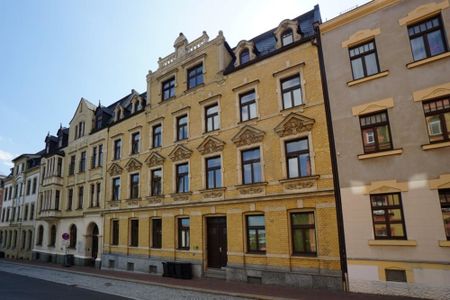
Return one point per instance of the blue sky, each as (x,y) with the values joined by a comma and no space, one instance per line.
(52,53)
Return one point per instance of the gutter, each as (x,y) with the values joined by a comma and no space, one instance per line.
(334,165)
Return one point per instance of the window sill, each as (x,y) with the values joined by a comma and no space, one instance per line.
(191,89)
(444,243)
(402,243)
(289,109)
(380,154)
(249,120)
(255,253)
(436,145)
(167,99)
(428,60)
(368,78)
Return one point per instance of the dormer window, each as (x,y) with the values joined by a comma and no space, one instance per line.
(118,113)
(244,56)
(99,122)
(80,129)
(287,37)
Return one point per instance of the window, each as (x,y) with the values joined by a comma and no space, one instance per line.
(72,165)
(69,199)
(52,236)
(94,157)
(28,187)
(59,167)
(25,213)
(303,233)
(195,76)
(82,166)
(100,156)
(437,117)
(444,197)
(387,215)
(183,233)
(57,199)
(91,202)
(99,121)
(156,233)
(134,233)
(244,56)
(115,232)
(80,197)
(156,177)
(213,173)
(73,236)
(287,37)
(40,236)
(134,186)
(156,136)
(97,198)
(247,104)
(182,129)
(168,88)
(251,166)
(116,189)
(364,60)
(117,148)
(212,117)
(135,143)
(32,211)
(291,92)
(297,158)
(395,275)
(427,38)
(182,179)
(375,131)
(256,234)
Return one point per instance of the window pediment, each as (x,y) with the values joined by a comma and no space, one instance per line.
(211,145)
(242,46)
(294,124)
(248,135)
(387,186)
(283,27)
(154,159)
(423,11)
(180,152)
(133,165)
(360,36)
(115,169)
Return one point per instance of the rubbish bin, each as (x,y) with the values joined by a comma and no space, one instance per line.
(2,254)
(69,260)
(183,270)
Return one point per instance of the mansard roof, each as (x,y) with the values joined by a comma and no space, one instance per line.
(265,44)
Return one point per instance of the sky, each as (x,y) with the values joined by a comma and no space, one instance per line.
(52,52)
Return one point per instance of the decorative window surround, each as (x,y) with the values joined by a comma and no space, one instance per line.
(423,12)
(360,36)
(380,154)
(401,243)
(427,60)
(385,186)
(435,146)
(444,243)
(373,106)
(443,182)
(242,45)
(282,27)
(432,92)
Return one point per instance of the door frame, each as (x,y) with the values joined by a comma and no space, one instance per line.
(205,234)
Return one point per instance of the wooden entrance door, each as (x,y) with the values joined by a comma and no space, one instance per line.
(217,242)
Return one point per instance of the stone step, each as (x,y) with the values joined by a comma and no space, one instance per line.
(215,273)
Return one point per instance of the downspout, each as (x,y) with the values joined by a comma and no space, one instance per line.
(334,166)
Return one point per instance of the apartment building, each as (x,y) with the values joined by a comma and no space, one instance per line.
(389,97)
(228,165)
(18,211)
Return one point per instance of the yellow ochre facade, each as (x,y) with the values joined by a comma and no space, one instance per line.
(266,214)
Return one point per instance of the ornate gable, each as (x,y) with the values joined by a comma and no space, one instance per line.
(133,165)
(180,152)
(248,135)
(154,159)
(293,124)
(115,169)
(211,145)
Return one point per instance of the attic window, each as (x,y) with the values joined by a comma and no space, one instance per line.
(287,37)
(244,56)
(99,121)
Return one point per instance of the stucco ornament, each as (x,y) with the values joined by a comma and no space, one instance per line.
(248,135)
(180,152)
(294,124)
(115,169)
(154,159)
(133,165)
(211,145)
(251,190)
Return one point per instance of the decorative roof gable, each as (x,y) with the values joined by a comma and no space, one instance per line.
(180,152)
(248,135)
(115,169)
(211,145)
(293,124)
(154,159)
(133,165)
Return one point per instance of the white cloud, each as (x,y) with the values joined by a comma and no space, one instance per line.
(5,160)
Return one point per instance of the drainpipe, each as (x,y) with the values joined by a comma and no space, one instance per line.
(334,166)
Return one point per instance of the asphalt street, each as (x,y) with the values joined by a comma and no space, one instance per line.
(17,287)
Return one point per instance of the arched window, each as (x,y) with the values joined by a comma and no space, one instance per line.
(287,37)
(244,56)
(73,236)
(52,236)
(40,236)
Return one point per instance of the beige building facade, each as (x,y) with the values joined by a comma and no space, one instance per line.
(386,66)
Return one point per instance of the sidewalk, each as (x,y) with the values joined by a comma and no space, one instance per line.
(210,285)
